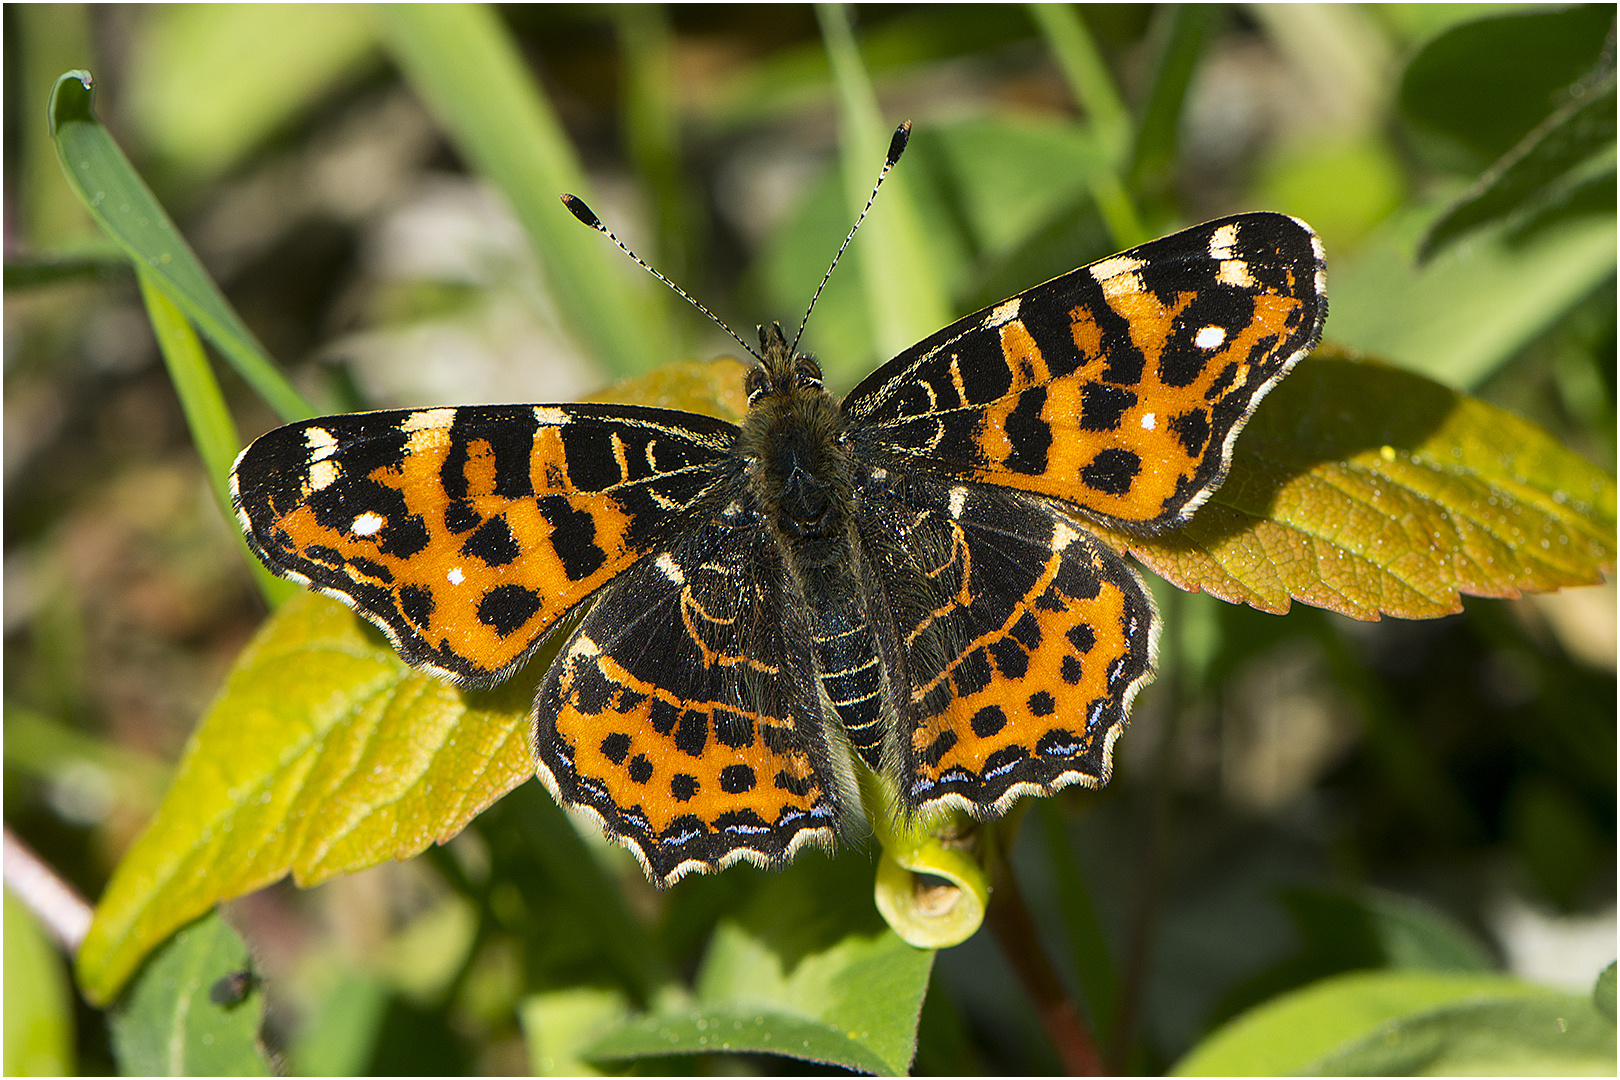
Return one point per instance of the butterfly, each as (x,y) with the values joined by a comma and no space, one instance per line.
(904,581)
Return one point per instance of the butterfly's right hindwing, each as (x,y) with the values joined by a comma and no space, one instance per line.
(465,533)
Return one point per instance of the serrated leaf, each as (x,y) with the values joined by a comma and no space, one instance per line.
(1371,491)
(1299,1032)
(324,753)
(170,1025)
(807,969)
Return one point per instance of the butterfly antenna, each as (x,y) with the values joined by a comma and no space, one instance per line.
(577,207)
(897,146)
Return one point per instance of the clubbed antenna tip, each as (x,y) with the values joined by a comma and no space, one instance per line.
(577,207)
(897,145)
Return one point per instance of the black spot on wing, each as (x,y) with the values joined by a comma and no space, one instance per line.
(507,608)
(573,536)
(1112,471)
(616,747)
(1191,429)
(417,604)
(1031,437)
(1102,406)
(736,779)
(493,543)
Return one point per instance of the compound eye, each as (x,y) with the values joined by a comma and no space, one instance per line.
(755,384)
(807,371)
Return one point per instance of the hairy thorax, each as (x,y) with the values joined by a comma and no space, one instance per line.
(799,470)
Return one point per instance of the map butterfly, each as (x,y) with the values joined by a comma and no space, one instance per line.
(903,580)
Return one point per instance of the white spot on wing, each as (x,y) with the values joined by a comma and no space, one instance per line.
(1235,272)
(320,442)
(1222,241)
(1062,536)
(1209,337)
(1119,264)
(1003,312)
(670,568)
(367,523)
(429,420)
(958,502)
(455,576)
(323,474)
(1148,421)
(550,416)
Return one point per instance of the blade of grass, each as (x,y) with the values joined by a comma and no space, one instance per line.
(1189,27)
(463,62)
(1093,89)
(1098,979)
(126,210)
(652,129)
(212,429)
(903,293)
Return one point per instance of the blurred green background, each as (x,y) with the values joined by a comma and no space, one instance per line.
(1293,791)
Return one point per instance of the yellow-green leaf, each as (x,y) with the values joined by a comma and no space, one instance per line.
(325,753)
(1372,491)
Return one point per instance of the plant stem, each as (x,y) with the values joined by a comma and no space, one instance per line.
(57,905)
(1014,929)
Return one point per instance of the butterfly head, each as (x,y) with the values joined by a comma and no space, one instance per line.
(782,373)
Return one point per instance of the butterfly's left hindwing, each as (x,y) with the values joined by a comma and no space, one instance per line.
(465,533)
(684,714)
(1118,387)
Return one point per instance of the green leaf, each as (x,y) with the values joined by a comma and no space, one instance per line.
(1344,931)
(1603,993)
(1561,1036)
(1531,172)
(210,82)
(559,1024)
(1368,490)
(324,753)
(807,969)
(121,204)
(1302,1031)
(38,1003)
(1472,307)
(1486,83)
(462,60)
(169,1024)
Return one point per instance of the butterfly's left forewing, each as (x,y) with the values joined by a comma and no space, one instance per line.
(465,533)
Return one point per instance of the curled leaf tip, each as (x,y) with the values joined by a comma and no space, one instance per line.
(70,98)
